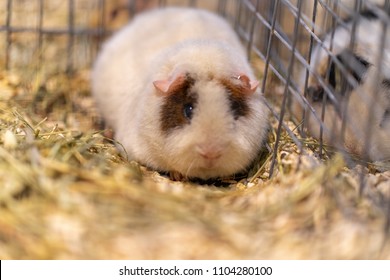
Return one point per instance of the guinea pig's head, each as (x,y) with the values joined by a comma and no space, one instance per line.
(212,126)
(350,96)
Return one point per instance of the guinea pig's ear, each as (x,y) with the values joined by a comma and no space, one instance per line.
(169,86)
(248,85)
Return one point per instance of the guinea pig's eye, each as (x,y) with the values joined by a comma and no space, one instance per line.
(188,110)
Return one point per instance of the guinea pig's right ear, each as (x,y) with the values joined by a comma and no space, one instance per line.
(248,85)
(169,86)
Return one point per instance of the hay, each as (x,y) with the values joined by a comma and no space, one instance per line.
(65,193)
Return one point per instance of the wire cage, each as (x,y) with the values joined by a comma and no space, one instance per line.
(325,64)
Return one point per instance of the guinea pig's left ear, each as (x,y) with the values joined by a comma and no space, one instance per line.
(169,86)
(248,85)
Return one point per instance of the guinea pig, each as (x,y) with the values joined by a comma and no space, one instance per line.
(352,85)
(180,95)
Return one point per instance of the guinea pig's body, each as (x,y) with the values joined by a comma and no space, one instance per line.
(177,90)
(359,110)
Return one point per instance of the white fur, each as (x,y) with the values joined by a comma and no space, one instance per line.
(367,103)
(154,46)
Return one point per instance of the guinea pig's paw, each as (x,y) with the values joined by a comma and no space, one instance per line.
(177,176)
(108,133)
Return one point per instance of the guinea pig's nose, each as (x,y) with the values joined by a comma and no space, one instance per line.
(209,152)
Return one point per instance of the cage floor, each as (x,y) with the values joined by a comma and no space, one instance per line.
(67,194)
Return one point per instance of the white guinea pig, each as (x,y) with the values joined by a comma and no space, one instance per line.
(176,88)
(357,117)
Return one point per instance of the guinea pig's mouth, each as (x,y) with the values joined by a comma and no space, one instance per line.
(209,168)
(208,164)
(204,166)
(208,171)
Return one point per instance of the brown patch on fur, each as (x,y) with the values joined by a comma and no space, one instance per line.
(237,98)
(171,114)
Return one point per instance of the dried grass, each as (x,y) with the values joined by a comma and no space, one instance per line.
(65,193)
